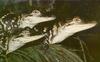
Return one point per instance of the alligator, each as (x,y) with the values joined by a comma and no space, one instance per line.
(56,35)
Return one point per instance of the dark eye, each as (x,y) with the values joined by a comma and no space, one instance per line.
(36,12)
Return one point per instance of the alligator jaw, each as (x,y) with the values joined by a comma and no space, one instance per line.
(16,43)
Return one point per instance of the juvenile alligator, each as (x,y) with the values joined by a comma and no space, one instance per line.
(56,35)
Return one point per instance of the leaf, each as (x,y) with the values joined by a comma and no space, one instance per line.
(54,53)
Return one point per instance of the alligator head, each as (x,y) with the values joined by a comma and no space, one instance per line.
(29,21)
(57,35)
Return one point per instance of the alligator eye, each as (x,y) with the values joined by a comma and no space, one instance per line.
(76,20)
(35,29)
(36,13)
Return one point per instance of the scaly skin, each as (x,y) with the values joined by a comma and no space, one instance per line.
(57,34)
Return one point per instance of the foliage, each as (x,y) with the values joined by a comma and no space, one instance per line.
(55,53)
